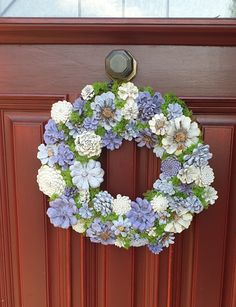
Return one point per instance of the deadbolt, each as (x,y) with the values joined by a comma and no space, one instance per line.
(120,65)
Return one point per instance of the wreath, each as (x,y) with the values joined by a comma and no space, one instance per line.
(102,117)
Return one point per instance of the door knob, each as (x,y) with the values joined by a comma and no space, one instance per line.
(120,65)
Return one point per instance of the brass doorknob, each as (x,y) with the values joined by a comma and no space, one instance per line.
(120,65)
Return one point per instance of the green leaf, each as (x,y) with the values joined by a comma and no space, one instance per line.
(141,126)
(115,86)
(119,103)
(100,87)
(88,112)
(53,197)
(147,89)
(150,194)
(93,192)
(171,98)
(175,181)
(100,131)
(199,192)
(75,118)
(120,127)
(67,178)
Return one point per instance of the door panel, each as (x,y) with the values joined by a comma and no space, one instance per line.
(42,266)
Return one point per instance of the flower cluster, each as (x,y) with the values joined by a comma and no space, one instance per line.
(102,117)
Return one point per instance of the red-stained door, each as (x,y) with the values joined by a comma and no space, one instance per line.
(42,266)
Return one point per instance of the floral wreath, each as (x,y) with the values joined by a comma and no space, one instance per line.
(102,117)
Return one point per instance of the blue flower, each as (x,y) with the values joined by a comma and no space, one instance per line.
(141,214)
(155,248)
(130,131)
(100,232)
(78,105)
(176,204)
(163,185)
(75,129)
(170,167)
(65,156)
(71,192)
(52,135)
(105,111)
(121,226)
(146,138)
(185,188)
(47,154)
(162,217)
(85,211)
(90,123)
(103,203)
(62,212)
(199,156)
(193,204)
(174,110)
(149,106)
(111,140)
(167,239)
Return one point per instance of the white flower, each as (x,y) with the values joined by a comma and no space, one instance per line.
(50,181)
(158,151)
(87,175)
(159,203)
(119,243)
(189,174)
(181,134)
(79,227)
(130,110)
(210,195)
(139,242)
(89,144)
(181,221)
(128,91)
(87,92)
(121,204)
(152,232)
(84,196)
(158,124)
(206,176)
(61,111)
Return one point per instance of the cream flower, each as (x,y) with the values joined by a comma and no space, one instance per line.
(88,143)
(119,243)
(84,196)
(206,176)
(128,91)
(159,203)
(121,204)
(130,110)
(87,92)
(189,174)
(158,151)
(61,111)
(50,181)
(158,124)
(79,227)
(210,195)
(180,134)
(181,221)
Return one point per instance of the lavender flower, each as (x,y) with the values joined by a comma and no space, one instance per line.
(174,110)
(185,188)
(193,204)
(71,192)
(90,123)
(199,156)
(155,248)
(103,203)
(163,185)
(167,239)
(52,135)
(176,204)
(62,212)
(75,129)
(163,217)
(85,211)
(65,157)
(130,131)
(146,138)
(170,167)
(149,106)
(47,154)
(121,226)
(100,232)
(141,214)
(78,105)
(111,140)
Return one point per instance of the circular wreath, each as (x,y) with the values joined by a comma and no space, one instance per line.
(102,117)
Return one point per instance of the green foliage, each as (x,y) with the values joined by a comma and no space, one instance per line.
(119,103)
(110,217)
(175,181)
(100,87)
(187,151)
(150,194)
(75,118)
(67,178)
(63,127)
(88,112)
(100,131)
(93,192)
(53,197)
(120,127)
(115,86)
(199,192)
(141,126)
(171,98)
(147,89)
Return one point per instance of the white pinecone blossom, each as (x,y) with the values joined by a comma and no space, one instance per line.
(87,92)
(210,195)
(206,176)
(61,111)
(88,143)
(159,203)
(139,242)
(189,174)
(121,204)
(158,124)
(130,110)
(128,91)
(79,227)
(84,196)
(50,181)
(181,221)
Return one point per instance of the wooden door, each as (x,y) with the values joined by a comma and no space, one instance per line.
(44,61)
